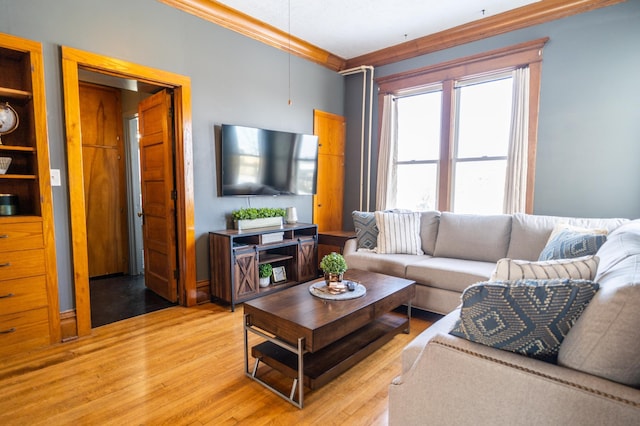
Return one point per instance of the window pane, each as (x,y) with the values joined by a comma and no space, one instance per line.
(419,127)
(484,119)
(479,187)
(417,186)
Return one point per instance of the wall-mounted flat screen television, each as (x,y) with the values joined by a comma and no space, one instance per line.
(267,162)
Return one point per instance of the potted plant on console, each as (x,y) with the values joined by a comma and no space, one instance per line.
(252,217)
(334,266)
(265,270)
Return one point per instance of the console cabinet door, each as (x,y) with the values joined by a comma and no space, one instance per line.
(307,265)
(246,275)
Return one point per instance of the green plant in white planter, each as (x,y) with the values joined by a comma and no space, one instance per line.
(252,217)
(334,266)
(264,271)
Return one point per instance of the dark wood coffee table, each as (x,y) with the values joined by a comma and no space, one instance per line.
(312,340)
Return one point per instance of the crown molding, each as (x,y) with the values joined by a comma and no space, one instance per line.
(239,22)
(522,17)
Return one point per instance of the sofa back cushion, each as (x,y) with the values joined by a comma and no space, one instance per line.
(530,233)
(429,222)
(605,341)
(473,237)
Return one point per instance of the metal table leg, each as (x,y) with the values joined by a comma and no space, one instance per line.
(299,351)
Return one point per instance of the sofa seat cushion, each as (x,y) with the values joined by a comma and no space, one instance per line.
(389,264)
(530,233)
(449,274)
(605,341)
(473,237)
(529,317)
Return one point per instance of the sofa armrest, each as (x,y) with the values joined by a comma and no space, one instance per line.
(454,381)
(350,246)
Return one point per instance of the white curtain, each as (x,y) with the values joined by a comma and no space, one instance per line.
(515,194)
(387,156)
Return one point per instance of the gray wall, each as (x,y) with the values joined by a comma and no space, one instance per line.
(588,161)
(234,80)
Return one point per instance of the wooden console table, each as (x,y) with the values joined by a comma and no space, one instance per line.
(329,241)
(234,258)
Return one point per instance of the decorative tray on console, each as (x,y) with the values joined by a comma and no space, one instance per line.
(320,289)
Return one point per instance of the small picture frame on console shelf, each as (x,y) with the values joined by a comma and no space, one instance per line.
(279,274)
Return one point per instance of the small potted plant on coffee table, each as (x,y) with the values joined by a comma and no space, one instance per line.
(334,266)
(265,271)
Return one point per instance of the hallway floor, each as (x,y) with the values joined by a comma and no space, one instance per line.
(120,297)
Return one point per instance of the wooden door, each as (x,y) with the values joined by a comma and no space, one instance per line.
(158,195)
(104,180)
(328,201)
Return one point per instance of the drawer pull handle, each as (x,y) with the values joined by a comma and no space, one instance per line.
(4,236)
(2,265)
(8,331)
(4,296)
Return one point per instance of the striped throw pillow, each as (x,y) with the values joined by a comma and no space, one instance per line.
(398,233)
(580,268)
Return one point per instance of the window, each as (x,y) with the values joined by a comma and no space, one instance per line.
(418,150)
(453,122)
(481,144)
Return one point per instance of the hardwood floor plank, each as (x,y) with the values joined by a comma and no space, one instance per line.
(182,366)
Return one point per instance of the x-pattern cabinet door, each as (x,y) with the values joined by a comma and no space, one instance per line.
(246,274)
(307,265)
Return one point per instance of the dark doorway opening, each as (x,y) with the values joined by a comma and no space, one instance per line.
(114,298)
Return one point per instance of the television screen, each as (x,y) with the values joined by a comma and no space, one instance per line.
(268,162)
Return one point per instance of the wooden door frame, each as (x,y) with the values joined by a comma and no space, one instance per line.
(72,60)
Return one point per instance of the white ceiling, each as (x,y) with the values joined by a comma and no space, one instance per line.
(350,28)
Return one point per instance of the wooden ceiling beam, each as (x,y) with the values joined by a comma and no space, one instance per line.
(522,17)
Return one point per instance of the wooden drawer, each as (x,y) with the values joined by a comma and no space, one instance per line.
(23,331)
(20,264)
(20,236)
(22,294)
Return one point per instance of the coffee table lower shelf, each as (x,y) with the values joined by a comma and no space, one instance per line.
(322,366)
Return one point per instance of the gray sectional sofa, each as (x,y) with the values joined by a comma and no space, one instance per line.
(462,249)
(450,380)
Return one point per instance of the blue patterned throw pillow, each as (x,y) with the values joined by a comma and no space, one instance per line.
(529,317)
(568,244)
(366,229)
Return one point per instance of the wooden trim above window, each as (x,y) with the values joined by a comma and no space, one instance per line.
(512,20)
(505,58)
(522,17)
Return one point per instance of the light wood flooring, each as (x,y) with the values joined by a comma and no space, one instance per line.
(181,366)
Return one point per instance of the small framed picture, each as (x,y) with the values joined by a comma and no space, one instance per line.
(279,274)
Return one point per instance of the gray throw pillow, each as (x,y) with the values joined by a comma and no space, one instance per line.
(366,229)
(529,317)
(568,244)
